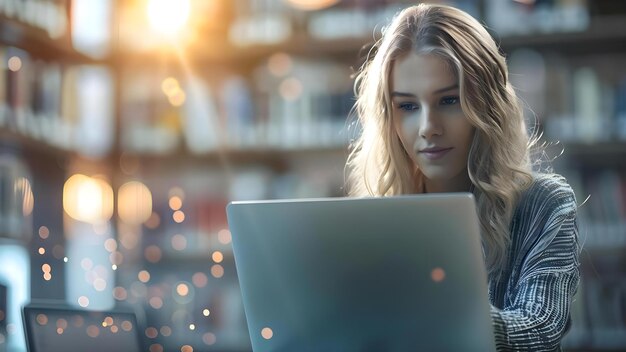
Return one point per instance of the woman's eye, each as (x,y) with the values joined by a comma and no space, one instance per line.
(449,100)
(408,106)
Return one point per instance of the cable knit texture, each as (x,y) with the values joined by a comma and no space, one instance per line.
(530,302)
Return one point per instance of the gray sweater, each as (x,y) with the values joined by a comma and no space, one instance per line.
(530,302)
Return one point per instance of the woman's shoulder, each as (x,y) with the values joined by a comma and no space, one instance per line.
(549,191)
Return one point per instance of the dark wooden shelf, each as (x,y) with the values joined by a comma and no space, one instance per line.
(604,35)
(275,158)
(38,43)
(600,154)
(29,145)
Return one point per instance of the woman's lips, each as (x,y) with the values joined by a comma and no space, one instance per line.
(434,154)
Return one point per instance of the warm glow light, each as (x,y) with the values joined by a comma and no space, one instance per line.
(155,347)
(312,5)
(224,236)
(42,319)
(134,202)
(290,89)
(209,338)
(119,293)
(156,302)
(186,348)
(175,203)
(169,86)
(178,98)
(438,274)
(83,301)
(206,312)
(267,333)
(46,268)
(178,216)
(15,63)
(168,17)
(279,64)
(182,290)
(110,245)
(144,276)
(152,253)
(152,332)
(42,250)
(217,271)
(44,232)
(217,256)
(127,325)
(88,199)
(199,279)
(99,284)
(23,189)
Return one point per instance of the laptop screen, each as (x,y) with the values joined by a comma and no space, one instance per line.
(67,329)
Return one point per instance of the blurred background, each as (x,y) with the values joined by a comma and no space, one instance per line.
(127,126)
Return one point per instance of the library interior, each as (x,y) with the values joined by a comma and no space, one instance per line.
(126,127)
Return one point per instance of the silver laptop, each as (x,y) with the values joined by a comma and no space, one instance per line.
(58,327)
(399,273)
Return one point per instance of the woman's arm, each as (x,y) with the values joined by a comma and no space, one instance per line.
(536,314)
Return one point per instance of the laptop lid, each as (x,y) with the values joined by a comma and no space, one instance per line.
(63,328)
(401,273)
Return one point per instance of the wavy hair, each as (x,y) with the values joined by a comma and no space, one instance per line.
(498,164)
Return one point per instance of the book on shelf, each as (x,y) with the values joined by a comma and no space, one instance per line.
(601,196)
(523,18)
(582,104)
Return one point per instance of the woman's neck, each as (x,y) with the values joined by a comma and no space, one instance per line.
(461,183)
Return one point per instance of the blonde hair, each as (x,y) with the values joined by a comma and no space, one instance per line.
(498,164)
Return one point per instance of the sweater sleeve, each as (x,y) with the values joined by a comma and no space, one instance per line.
(536,313)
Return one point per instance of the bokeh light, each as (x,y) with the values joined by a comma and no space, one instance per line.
(134,202)
(178,216)
(217,271)
(224,236)
(44,232)
(168,17)
(199,279)
(179,242)
(88,199)
(14,63)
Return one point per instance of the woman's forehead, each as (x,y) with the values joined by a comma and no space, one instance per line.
(422,72)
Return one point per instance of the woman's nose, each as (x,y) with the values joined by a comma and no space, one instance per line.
(429,125)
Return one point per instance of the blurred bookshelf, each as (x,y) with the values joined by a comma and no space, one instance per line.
(253,102)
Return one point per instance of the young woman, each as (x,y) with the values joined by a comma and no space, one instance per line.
(438,114)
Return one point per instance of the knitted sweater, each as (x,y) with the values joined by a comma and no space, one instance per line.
(530,301)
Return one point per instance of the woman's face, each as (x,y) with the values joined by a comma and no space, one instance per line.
(430,122)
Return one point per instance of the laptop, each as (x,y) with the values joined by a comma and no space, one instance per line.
(53,327)
(402,273)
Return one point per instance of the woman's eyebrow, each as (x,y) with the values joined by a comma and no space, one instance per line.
(452,87)
(438,91)
(402,94)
